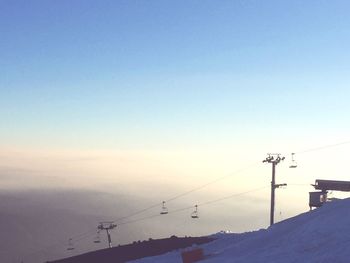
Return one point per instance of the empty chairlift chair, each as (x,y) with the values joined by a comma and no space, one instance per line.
(293,164)
(70,244)
(164,210)
(97,238)
(195,212)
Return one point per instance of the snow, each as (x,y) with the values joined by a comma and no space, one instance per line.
(321,235)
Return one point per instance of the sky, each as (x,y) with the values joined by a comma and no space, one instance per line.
(125,96)
(131,74)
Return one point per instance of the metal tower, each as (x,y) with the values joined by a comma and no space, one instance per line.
(109,225)
(274,159)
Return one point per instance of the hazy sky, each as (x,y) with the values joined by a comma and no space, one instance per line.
(126,96)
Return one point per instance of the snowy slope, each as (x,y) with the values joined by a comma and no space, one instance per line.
(322,235)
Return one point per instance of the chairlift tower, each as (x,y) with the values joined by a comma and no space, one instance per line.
(107,226)
(274,159)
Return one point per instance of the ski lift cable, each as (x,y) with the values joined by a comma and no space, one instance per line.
(186,193)
(322,147)
(62,243)
(181,209)
(156,215)
(213,182)
(223,177)
(87,234)
(138,212)
(319,148)
(140,219)
(233,195)
(183,194)
(193,190)
(189,192)
(180,195)
(191,207)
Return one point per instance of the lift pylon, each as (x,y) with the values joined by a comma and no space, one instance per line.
(274,159)
(109,225)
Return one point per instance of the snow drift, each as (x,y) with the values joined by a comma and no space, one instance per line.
(321,235)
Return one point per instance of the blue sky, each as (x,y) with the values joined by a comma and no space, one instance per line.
(129,74)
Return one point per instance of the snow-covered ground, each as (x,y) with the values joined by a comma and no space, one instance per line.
(321,235)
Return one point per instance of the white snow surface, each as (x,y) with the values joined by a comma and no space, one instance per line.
(321,235)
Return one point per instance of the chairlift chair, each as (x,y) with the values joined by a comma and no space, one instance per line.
(195,212)
(164,210)
(70,244)
(97,238)
(293,164)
